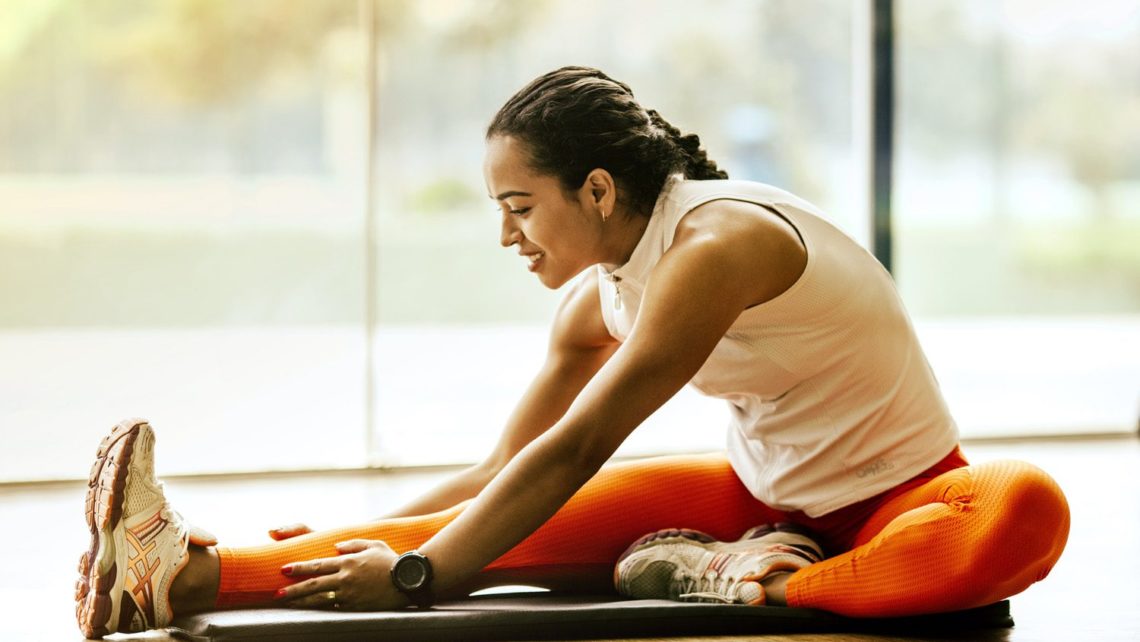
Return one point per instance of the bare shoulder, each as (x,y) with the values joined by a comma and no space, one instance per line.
(578,323)
(755,245)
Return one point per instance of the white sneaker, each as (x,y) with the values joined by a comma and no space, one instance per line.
(691,566)
(138,544)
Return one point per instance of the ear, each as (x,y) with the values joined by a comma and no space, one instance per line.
(599,191)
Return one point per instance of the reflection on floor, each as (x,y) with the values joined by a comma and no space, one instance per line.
(1092,594)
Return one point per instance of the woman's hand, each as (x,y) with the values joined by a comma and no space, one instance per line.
(201,537)
(292,530)
(357,580)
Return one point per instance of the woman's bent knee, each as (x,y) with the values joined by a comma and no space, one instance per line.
(1028,517)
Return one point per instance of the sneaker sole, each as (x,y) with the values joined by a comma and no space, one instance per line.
(104,509)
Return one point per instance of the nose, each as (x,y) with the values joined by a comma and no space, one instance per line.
(509,234)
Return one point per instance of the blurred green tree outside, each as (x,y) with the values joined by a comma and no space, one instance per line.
(114,88)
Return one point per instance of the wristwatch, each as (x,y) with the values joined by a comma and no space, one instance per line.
(412,575)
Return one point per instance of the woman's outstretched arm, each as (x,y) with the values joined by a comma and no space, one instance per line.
(579,346)
(717,267)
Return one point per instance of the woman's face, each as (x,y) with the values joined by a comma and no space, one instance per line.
(558,235)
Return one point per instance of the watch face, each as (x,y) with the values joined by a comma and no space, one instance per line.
(411,573)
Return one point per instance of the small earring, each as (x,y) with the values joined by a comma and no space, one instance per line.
(604,216)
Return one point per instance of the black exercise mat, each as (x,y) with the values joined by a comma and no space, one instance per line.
(561,617)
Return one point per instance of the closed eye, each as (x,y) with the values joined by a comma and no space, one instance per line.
(520,211)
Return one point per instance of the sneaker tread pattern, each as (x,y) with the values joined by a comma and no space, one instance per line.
(106,484)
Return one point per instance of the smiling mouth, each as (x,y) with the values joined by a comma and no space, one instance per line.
(533,259)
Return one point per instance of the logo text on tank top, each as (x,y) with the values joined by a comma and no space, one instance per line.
(880,465)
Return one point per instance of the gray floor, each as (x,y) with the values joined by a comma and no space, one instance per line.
(1092,594)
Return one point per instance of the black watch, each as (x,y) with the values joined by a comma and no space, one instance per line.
(412,575)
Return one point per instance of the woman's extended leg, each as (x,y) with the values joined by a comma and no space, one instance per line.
(575,549)
(969,537)
(140,568)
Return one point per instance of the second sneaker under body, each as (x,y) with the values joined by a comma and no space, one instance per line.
(691,566)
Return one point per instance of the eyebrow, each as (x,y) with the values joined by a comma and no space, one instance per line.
(505,195)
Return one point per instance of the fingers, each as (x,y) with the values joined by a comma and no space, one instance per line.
(360,545)
(200,537)
(286,532)
(326,566)
(315,593)
(355,580)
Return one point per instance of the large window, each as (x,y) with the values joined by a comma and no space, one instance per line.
(184,218)
(196,227)
(1018,208)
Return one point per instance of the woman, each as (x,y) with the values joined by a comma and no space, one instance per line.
(738,288)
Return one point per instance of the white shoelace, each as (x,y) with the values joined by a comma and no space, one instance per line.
(174,518)
(709,586)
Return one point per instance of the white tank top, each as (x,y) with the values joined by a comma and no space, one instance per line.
(831,397)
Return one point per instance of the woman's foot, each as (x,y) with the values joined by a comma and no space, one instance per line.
(691,566)
(138,544)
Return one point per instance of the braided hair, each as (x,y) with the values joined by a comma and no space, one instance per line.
(576,119)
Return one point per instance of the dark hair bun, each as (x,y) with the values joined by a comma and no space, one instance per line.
(577,119)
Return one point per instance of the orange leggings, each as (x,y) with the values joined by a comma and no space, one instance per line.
(954,537)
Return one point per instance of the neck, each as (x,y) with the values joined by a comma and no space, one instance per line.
(620,238)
